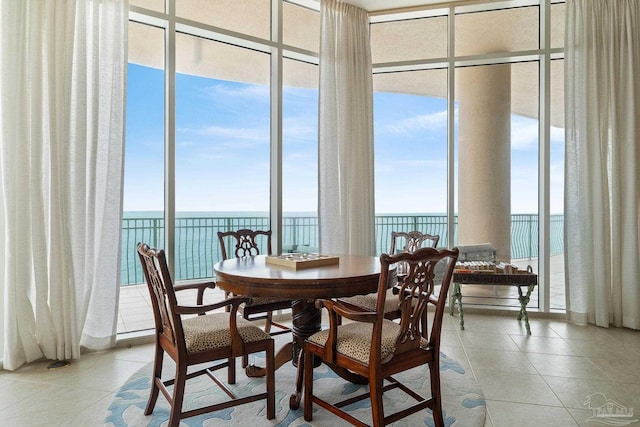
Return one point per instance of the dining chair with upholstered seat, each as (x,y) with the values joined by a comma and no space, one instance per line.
(191,335)
(412,240)
(243,243)
(376,348)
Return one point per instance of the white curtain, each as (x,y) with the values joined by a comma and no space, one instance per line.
(602,92)
(63,75)
(346,185)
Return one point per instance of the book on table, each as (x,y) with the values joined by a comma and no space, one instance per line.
(300,261)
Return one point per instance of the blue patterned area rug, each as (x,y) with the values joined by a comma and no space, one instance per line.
(463,401)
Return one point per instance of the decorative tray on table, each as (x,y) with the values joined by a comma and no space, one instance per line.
(300,261)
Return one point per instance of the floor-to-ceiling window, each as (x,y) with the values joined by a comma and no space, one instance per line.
(222,146)
(143,199)
(493,68)
(410,126)
(556,158)
(411,156)
(203,126)
(217,87)
(301,40)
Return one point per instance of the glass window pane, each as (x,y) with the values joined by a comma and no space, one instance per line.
(413,39)
(300,157)
(143,201)
(301,27)
(505,30)
(250,17)
(410,134)
(222,150)
(497,161)
(556,179)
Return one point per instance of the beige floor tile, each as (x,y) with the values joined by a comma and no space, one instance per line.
(538,328)
(137,353)
(107,375)
(487,420)
(621,370)
(578,332)
(501,361)
(509,414)
(545,345)
(90,416)
(630,339)
(565,366)
(487,341)
(613,348)
(52,406)
(485,324)
(450,339)
(14,391)
(512,387)
(582,417)
(573,392)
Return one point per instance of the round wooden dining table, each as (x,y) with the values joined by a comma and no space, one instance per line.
(253,276)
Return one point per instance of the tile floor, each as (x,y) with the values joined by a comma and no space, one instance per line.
(538,380)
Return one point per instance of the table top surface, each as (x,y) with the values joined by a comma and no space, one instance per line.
(252,276)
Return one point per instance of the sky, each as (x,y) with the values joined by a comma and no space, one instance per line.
(222,149)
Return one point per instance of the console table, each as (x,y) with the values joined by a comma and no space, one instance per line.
(520,280)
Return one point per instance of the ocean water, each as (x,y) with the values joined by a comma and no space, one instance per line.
(196,240)
(197,249)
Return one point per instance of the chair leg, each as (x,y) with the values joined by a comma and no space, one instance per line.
(434,372)
(178,396)
(156,375)
(271,382)
(377,409)
(268,322)
(245,357)
(245,361)
(307,370)
(231,371)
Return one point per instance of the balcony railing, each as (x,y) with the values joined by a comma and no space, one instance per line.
(196,238)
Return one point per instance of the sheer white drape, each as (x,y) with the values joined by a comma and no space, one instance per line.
(602,183)
(346,202)
(63,75)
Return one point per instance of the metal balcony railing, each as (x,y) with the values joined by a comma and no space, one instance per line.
(196,238)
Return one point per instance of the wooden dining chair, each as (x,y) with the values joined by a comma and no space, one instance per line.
(217,338)
(243,243)
(376,348)
(411,240)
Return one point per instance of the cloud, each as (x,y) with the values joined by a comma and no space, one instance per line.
(295,129)
(186,143)
(524,133)
(557,135)
(408,166)
(298,158)
(420,122)
(240,91)
(238,134)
